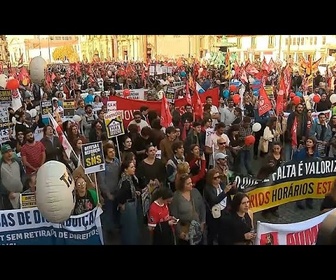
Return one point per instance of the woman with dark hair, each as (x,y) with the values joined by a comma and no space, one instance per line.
(197,164)
(238,228)
(160,222)
(188,206)
(302,153)
(127,146)
(238,114)
(271,163)
(151,170)
(217,196)
(96,131)
(126,199)
(73,133)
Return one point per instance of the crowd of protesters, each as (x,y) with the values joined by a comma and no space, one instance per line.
(193,198)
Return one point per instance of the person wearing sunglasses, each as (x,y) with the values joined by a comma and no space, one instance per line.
(84,199)
(217,197)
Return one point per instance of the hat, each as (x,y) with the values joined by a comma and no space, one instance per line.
(54,98)
(5,148)
(220,156)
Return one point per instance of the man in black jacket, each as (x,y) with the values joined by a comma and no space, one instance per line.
(298,117)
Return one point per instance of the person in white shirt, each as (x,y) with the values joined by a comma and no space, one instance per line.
(211,145)
(227,115)
(57,109)
(213,111)
(138,120)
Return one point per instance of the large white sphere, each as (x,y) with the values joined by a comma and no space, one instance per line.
(37,67)
(55,194)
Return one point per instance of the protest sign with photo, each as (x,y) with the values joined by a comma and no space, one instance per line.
(27,200)
(293,181)
(29,227)
(69,106)
(114,124)
(93,157)
(4,131)
(46,108)
(5,102)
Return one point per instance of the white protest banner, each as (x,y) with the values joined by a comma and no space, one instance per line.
(111,106)
(301,233)
(138,94)
(29,227)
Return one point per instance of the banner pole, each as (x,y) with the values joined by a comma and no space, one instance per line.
(96,187)
(118,148)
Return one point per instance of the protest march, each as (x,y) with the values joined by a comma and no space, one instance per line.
(165,149)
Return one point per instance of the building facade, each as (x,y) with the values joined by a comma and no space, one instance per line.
(283,47)
(162,47)
(4,52)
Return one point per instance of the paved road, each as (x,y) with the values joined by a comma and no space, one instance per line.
(288,213)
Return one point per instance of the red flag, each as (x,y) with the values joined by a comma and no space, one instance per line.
(294,132)
(280,97)
(198,106)
(264,65)
(166,117)
(264,104)
(271,65)
(188,96)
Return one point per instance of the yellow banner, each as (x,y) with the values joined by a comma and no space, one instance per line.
(267,197)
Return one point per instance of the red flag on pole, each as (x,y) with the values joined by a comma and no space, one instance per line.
(264,104)
(166,117)
(198,106)
(280,97)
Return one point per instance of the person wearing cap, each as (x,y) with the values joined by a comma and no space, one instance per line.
(222,167)
(56,107)
(11,179)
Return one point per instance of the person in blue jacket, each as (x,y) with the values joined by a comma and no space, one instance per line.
(309,150)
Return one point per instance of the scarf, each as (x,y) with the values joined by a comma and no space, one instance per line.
(125,177)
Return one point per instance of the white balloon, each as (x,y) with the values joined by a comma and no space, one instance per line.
(332,98)
(256,127)
(55,194)
(77,118)
(37,67)
(241,89)
(3,80)
(33,113)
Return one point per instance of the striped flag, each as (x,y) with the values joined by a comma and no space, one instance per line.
(64,141)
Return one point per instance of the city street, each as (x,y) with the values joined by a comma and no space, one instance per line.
(288,213)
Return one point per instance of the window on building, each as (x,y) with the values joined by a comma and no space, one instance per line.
(239,43)
(311,40)
(315,40)
(294,41)
(57,37)
(298,41)
(302,41)
(271,40)
(286,41)
(324,40)
(253,42)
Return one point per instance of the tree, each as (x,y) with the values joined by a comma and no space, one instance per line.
(68,52)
